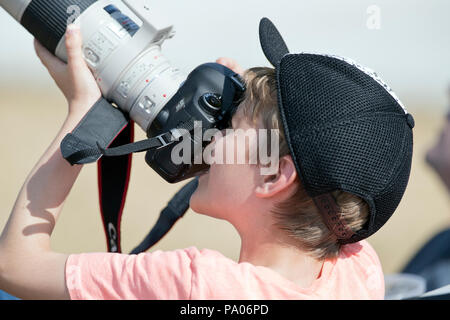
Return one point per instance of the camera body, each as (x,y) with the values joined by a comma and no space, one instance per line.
(208,99)
(122,42)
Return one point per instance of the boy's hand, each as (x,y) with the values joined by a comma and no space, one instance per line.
(74,78)
(231,64)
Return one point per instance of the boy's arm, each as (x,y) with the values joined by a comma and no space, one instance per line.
(28,267)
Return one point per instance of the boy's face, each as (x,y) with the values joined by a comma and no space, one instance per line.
(230,187)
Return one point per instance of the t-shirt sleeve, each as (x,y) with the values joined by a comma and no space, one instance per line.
(148,276)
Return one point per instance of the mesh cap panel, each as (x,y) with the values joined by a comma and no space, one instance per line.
(345,132)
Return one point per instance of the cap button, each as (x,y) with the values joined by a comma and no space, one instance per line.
(410,121)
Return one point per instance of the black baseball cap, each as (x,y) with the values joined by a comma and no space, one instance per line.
(346,130)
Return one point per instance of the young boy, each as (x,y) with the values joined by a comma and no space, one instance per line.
(345,157)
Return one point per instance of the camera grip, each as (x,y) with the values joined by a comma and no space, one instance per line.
(101,125)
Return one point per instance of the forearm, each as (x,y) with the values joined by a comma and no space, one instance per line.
(28,266)
(40,200)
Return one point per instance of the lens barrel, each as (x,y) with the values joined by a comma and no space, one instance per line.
(47,20)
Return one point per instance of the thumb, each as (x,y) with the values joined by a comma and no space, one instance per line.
(74,43)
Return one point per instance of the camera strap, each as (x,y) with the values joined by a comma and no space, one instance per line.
(81,145)
(91,140)
(158,142)
(174,211)
(114,173)
(113,180)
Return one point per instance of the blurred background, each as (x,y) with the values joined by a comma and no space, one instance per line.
(406,42)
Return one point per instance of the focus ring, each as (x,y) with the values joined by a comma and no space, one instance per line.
(47,20)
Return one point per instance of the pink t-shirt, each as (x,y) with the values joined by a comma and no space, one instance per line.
(206,274)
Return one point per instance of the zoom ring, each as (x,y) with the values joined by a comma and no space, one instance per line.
(47,20)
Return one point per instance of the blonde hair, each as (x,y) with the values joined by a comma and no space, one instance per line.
(298,216)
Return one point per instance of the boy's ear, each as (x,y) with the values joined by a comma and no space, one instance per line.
(272,185)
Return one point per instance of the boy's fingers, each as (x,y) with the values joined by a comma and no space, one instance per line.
(231,64)
(46,57)
(227,62)
(74,43)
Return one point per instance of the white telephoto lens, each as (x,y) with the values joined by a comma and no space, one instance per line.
(121,45)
